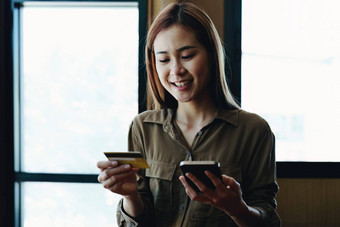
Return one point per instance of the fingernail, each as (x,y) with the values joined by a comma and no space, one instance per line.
(127,166)
(114,163)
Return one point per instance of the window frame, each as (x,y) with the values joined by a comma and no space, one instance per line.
(232,38)
(10,67)
(9,209)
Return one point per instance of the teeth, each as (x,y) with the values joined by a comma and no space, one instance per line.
(182,84)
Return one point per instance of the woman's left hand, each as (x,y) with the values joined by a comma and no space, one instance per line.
(227,195)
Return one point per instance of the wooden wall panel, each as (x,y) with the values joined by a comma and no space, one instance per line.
(309,202)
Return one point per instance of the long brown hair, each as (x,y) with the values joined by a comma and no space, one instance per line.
(191,16)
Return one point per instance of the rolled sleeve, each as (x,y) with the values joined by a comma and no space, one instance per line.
(262,185)
(269,217)
(123,219)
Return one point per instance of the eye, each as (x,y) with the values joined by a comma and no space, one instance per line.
(164,60)
(187,57)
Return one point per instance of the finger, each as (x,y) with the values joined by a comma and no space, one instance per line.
(115,184)
(117,179)
(192,194)
(231,182)
(106,164)
(188,189)
(184,182)
(109,172)
(214,179)
(201,186)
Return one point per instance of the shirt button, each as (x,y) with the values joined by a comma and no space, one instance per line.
(199,132)
(181,207)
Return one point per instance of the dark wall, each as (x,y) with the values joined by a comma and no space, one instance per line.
(6,116)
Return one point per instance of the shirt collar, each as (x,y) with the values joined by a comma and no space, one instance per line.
(230,116)
(165,117)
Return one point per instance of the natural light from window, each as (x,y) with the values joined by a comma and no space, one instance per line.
(79,85)
(291,74)
(78,96)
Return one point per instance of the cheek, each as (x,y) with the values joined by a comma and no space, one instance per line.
(161,74)
(201,68)
(205,64)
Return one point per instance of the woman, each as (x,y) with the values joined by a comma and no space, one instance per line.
(196,118)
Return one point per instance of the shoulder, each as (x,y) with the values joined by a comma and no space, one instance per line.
(150,122)
(153,116)
(252,120)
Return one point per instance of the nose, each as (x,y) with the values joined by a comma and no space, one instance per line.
(177,68)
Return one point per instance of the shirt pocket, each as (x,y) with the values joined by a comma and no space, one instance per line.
(160,177)
(232,170)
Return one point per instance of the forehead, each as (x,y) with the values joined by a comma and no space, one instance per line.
(175,37)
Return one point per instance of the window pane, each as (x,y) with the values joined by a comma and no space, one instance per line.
(79,85)
(66,204)
(290,74)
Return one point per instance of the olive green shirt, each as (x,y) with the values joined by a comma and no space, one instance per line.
(243,144)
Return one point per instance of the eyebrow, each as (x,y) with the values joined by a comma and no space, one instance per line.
(178,50)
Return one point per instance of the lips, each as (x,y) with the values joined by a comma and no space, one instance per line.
(182,83)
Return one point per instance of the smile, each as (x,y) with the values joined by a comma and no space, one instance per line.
(182,83)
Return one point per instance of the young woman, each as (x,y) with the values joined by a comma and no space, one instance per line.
(195,118)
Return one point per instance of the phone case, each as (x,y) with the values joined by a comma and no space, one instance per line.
(197,168)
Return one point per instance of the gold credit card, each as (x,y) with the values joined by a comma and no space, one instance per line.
(134,158)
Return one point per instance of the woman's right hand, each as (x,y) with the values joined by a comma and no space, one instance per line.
(120,179)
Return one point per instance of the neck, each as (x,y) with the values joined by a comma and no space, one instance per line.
(194,113)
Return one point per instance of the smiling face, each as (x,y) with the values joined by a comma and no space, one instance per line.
(182,64)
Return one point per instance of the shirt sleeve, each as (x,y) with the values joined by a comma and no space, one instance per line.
(125,220)
(261,184)
(135,143)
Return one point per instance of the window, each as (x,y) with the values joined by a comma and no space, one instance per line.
(290,74)
(315,51)
(79,73)
(77,86)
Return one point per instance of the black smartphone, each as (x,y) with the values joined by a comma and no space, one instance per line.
(197,168)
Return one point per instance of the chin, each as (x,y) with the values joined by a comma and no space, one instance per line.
(184,100)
